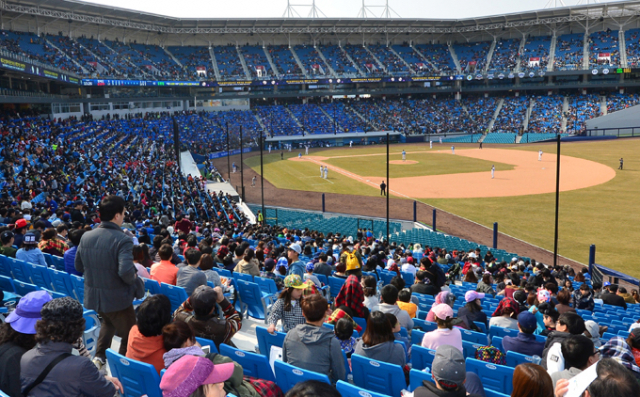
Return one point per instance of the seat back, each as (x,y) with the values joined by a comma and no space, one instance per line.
(267,285)
(377,376)
(348,390)
(322,278)
(58,263)
(78,287)
(5,266)
(514,359)
(497,342)
(361,322)
(288,376)
(493,393)
(481,326)
(387,276)
(137,378)
(20,270)
(61,282)
(416,378)
(502,332)
(255,365)
(6,284)
(177,295)
(474,337)
(24,288)
(224,273)
(421,357)
(152,286)
(493,376)
(207,342)
(251,299)
(335,284)
(266,340)
(425,326)
(408,278)
(469,348)
(242,276)
(416,337)
(91,331)
(40,276)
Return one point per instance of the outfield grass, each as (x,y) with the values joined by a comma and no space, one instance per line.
(606,215)
(427,164)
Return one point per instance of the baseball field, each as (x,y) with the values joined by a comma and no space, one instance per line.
(598,203)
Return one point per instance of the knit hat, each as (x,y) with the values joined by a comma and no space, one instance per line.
(27,313)
(62,310)
(448,367)
(294,281)
(188,373)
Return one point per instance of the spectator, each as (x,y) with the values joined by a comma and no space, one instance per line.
(583,298)
(472,310)
(287,307)
(51,244)
(195,376)
(484,286)
(296,267)
(308,276)
(449,374)
(343,330)
(389,295)
(179,340)
(110,278)
(30,252)
(61,326)
(592,331)
(531,380)
(70,254)
(550,319)
(165,271)
(189,276)
(145,338)
(377,342)
(622,291)
(268,272)
(200,312)
(618,349)
(396,329)
(443,297)
(613,379)
(579,353)
(312,388)
(445,334)
(423,285)
(633,340)
(369,285)
(322,267)
(19,231)
(351,295)
(506,314)
(568,324)
(341,271)
(138,259)
(564,297)
(311,346)
(611,297)
(249,264)
(524,342)
(7,239)
(17,336)
(404,302)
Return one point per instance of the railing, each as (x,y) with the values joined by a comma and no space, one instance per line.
(22,58)
(619,132)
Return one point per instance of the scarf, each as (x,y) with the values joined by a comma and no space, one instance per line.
(504,303)
(338,314)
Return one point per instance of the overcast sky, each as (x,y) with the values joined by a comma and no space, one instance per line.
(446,9)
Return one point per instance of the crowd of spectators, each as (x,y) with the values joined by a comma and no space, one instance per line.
(604,49)
(512,114)
(535,47)
(472,57)
(569,52)
(286,63)
(546,115)
(505,55)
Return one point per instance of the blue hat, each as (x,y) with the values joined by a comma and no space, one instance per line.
(606,284)
(527,322)
(310,266)
(282,262)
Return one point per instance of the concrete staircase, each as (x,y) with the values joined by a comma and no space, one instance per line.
(172,57)
(127,60)
(214,63)
(401,59)
(293,116)
(527,116)
(622,47)
(425,59)
(455,58)
(361,116)
(84,70)
(329,116)
(101,62)
(492,48)
(603,106)
(271,63)
(299,62)
(585,51)
(495,115)
(247,73)
(565,108)
(355,65)
(552,52)
(380,65)
(259,120)
(521,52)
(324,59)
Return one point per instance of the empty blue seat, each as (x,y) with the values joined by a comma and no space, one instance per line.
(5,266)
(348,390)
(58,262)
(496,341)
(416,378)
(207,342)
(501,332)
(78,287)
(24,288)
(61,282)
(267,285)
(514,359)
(361,322)
(177,295)
(91,331)
(288,376)
(251,299)
(408,278)
(20,270)
(473,337)
(493,393)
(137,378)
(426,326)
(469,348)
(416,337)
(6,284)
(322,278)
(223,272)
(242,276)
(481,326)
(54,294)
(335,284)
(152,286)
(40,276)
(387,276)
(493,376)
(266,340)
(253,364)
(421,357)
(377,376)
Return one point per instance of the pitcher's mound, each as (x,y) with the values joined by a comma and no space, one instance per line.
(403,162)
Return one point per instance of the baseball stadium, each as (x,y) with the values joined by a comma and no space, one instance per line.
(312,205)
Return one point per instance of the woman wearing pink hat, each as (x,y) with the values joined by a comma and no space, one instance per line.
(446,334)
(193,376)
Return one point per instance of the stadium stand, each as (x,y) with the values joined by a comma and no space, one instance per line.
(505,56)
(511,115)
(633,46)
(363,59)
(439,56)
(472,56)
(393,64)
(192,58)
(569,49)
(546,116)
(604,48)
(417,64)
(338,60)
(228,62)
(285,62)
(311,60)
(257,61)
(535,54)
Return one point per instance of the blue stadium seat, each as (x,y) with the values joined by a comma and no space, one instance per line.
(137,378)
(332,327)
(335,284)
(5,267)
(416,337)
(361,322)
(24,288)
(61,282)
(493,393)
(421,357)
(253,302)
(242,276)
(20,270)
(496,341)
(266,340)
(323,278)
(514,359)
(416,378)
(348,390)
(387,276)
(58,263)
(78,287)
(469,348)
(54,294)
(40,276)
(255,365)
(493,376)
(501,332)
(177,295)
(481,326)
(408,278)
(6,284)
(473,337)
(152,286)
(377,376)
(426,326)
(267,285)
(288,376)
(91,331)
(207,342)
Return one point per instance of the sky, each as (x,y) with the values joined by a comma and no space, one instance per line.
(450,9)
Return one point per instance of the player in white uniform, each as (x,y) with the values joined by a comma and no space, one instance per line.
(404,155)
(539,155)
(269,149)
(453,149)
(493,170)
(321,172)
(306,150)
(350,143)
(430,144)
(326,172)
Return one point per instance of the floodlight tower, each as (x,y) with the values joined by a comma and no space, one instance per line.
(367,10)
(555,3)
(292,10)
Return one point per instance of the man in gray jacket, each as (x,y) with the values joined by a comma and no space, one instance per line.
(389,296)
(105,256)
(313,347)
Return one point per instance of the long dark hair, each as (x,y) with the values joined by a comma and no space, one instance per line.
(473,306)
(8,334)
(286,295)
(379,330)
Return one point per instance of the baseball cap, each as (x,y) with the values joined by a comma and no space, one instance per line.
(203,299)
(543,295)
(470,296)
(188,373)
(442,311)
(527,321)
(296,247)
(606,284)
(310,266)
(282,262)
(294,281)
(30,238)
(20,223)
(6,236)
(635,336)
(27,313)
(448,367)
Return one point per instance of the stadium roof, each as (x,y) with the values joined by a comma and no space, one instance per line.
(83,12)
